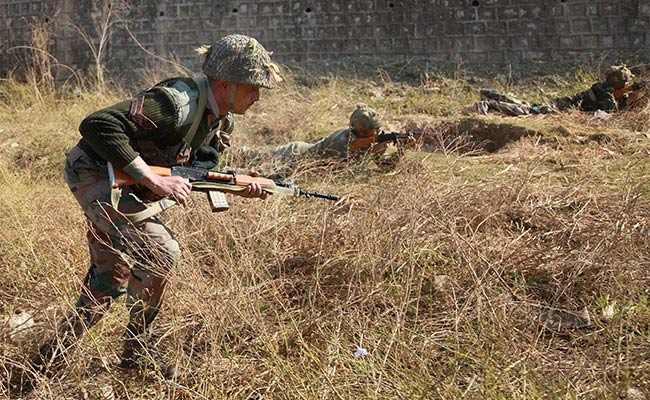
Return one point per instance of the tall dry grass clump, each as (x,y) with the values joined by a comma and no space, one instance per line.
(442,267)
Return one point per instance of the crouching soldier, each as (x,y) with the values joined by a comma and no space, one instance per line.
(177,121)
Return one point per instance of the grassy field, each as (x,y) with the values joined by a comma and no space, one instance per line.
(439,267)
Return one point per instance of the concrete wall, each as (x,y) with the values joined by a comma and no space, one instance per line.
(496,31)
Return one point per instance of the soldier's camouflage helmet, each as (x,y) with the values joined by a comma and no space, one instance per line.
(363,119)
(619,75)
(239,59)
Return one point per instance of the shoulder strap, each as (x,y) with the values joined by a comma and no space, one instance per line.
(201,82)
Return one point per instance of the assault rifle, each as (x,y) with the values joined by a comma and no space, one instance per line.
(383,137)
(635,87)
(634,92)
(214,183)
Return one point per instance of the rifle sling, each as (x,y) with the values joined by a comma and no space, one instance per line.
(206,186)
(152,209)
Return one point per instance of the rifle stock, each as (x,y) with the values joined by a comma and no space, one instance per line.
(362,143)
(622,91)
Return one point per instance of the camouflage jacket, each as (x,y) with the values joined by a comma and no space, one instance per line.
(600,96)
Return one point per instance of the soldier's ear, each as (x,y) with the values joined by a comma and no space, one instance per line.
(220,86)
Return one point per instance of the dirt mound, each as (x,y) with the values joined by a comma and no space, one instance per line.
(487,135)
(471,135)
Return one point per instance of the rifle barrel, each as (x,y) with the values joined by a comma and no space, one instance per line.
(319,195)
(393,136)
(305,193)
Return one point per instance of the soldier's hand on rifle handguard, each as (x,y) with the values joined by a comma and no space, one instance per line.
(378,142)
(254,189)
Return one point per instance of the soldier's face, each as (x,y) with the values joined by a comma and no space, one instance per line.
(245,97)
(368,133)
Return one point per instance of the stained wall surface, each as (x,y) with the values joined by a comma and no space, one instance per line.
(143,32)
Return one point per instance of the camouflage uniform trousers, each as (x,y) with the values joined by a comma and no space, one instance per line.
(483,107)
(284,153)
(124,257)
(334,145)
(271,162)
(492,100)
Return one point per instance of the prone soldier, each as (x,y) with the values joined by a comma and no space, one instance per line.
(356,141)
(616,93)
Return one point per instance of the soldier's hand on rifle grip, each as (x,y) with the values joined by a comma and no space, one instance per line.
(379,148)
(175,187)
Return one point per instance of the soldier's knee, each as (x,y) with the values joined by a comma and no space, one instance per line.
(173,251)
(103,282)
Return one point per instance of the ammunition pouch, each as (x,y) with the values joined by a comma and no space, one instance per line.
(177,154)
(205,157)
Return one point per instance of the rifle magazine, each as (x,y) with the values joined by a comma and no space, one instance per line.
(217,201)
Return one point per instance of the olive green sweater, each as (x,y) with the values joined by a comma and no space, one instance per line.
(114,134)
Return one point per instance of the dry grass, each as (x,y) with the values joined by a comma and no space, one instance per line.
(440,268)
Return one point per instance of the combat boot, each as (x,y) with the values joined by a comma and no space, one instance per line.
(480,107)
(483,107)
(140,350)
(20,380)
(51,355)
(50,358)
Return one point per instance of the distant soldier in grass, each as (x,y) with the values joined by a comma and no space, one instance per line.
(616,93)
(177,121)
(354,142)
